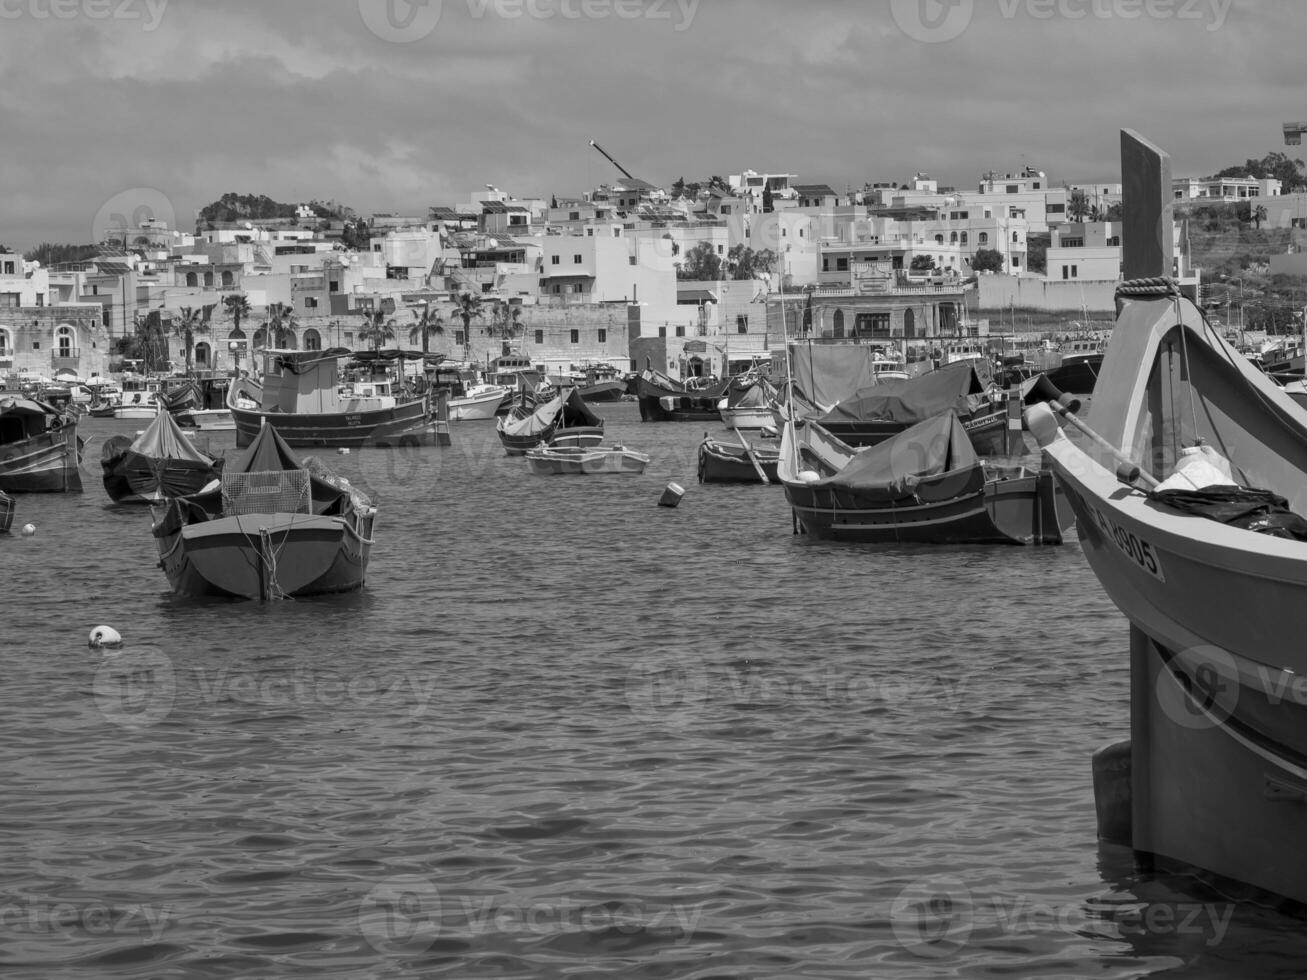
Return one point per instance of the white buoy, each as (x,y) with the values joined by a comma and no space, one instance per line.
(342,451)
(672,495)
(29,530)
(104,636)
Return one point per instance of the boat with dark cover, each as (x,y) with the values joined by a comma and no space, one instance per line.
(563,420)
(664,400)
(159,463)
(39,448)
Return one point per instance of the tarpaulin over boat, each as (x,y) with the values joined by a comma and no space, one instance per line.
(756,393)
(1253,510)
(937,445)
(954,386)
(267,452)
(827,374)
(568,407)
(303,361)
(655,384)
(163,439)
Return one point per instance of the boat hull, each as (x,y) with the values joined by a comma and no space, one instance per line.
(408,424)
(721,462)
(585,462)
(136,412)
(604,391)
(257,556)
(747,418)
(477,407)
(207,419)
(955,510)
(45,463)
(7,508)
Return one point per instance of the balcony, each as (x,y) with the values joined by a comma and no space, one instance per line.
(65,357)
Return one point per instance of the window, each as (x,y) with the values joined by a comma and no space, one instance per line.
(557,288)
(953,237)
(872,324)
(939,239)
(1016,261)
(228,279)
(983,238)
(576,336)
(1057,209)
(741,324)
(573,215)
(631,260)
(721,249)
(576,259)
(458,337)
(201,355)
(1016,237)
(6,345)
(964,238)
(662,331)
(333,286)
(208,280)
(349,338)
(1013,188)
(1073,243)
(603,335)
(1064,273)
(617,232)
(540,336)
(589,233)
(842,265)
(9,268)
(825,264)
(680,330)
(1114,241)
(95,290)
(312,339)
(553,260)
(310,302)
(191,279)
(1074,273)
(726,209)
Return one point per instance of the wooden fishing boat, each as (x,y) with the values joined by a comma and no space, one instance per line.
(478,402)
(270,527)
(585,460)
(563,420)
(202,404)
(925,484)
(723,461)
(874,414)
(39,448)
(664,400)
(300,396)
(159,463)
(1188,481)
(7,508)
(747,403)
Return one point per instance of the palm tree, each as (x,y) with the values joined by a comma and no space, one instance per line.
(377,328)
(429,322)
(192,321)
(1258,215)
(508,321)
(280,324)
(468,306)
(238,307)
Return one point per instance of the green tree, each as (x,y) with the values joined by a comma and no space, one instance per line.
(429,323)
(148,342)
(468,308)
(1258,215)
(191,322)
(1115,212)
(278,325)
(743,262)
(922,263)
(701,262)
(1078,206)
(506,323)
(377,330)
(768,204)
(238,308)
(987,260)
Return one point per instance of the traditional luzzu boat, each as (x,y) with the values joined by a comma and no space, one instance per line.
(477,402)
(585,460)
(563,420)
(721,461)
(663,399)
(874,414)
(159,463)
(7,508)
(747,403)
(299,395)
(39,448)
(270,527)
(1188,481)
(925,484)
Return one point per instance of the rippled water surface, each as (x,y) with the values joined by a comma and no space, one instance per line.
(564,731)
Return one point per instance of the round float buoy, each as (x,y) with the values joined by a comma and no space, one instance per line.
(672,495)
(342,451)
(104,636)
(29,530)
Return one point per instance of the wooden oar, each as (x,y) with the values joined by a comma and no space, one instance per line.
(1128,471)
(748,451)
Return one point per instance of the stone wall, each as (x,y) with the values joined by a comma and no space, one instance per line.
(30,340)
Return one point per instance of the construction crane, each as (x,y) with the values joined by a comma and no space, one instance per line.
(625,173)
(1293,133)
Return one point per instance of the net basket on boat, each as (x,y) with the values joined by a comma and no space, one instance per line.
(267,492)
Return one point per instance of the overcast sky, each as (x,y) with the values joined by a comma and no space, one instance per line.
(118,106)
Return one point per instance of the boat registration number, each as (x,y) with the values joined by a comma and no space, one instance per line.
(1141,552)
(353,420)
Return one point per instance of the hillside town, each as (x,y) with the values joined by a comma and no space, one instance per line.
(689,280)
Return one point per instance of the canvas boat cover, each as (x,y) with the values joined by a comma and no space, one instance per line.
(750,394)
(827,374)
(163,439)
(1245,507)
(655,384)
(954,386)
(303,361)
(567,408)
(937,445)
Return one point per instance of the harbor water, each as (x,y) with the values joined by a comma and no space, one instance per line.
(565,731)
